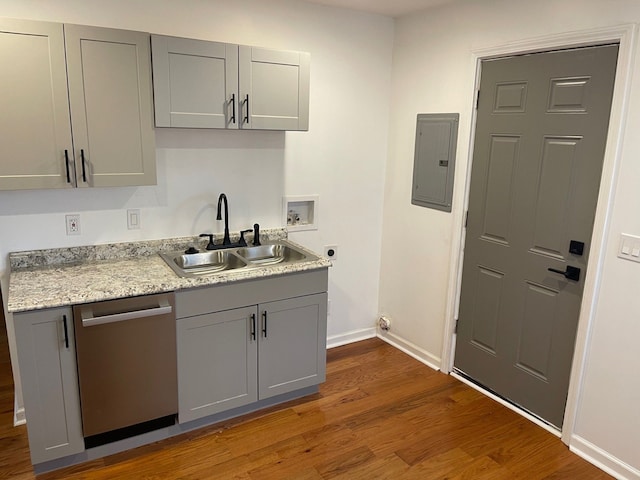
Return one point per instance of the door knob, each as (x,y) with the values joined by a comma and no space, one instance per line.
(571,273)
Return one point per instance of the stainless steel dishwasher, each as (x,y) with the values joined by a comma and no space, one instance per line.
(126,352)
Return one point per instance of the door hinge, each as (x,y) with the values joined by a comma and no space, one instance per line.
(466,219)
(477,98)
(455,329)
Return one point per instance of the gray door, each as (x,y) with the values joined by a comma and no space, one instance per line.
(539,145)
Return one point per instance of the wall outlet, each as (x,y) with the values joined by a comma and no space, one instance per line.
(73,224)
(331,252)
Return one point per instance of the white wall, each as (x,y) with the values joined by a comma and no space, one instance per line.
(434,72)
(342,156)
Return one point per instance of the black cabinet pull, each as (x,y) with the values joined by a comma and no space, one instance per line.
(246,109)
(66,164)
(253,326)
(84,171)
(264,324)
(233,108)
(66,332)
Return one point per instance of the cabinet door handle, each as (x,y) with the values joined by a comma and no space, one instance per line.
(233,108)
(89,319)
(84,171)
(66,164)
(66,332)
(253,326)
(246,109)
(264,324)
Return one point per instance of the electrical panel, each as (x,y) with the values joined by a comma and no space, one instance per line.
(434,161)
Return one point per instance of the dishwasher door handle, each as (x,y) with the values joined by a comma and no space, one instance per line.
(89,320)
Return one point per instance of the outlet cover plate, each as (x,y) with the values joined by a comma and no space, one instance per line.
(133,219)
(73,223)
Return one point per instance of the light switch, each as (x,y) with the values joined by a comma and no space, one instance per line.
(629,247)
(133,219)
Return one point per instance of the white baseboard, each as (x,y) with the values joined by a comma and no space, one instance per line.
(603,460)
(410,349)
(350,337)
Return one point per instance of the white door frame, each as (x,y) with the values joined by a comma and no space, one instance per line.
(625,36)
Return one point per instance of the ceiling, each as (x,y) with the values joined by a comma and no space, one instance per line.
(391,8)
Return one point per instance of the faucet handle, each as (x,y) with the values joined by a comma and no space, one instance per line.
(243,242)
(256,235)
(210,245)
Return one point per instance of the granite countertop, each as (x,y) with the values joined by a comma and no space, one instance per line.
(68,276)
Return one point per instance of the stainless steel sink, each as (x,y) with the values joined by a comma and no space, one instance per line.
(206,263)
(220,261)
(270,254)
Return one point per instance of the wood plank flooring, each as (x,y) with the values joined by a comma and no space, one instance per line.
(380,415)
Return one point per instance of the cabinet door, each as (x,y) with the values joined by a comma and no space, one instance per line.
(109,74)
(47,357)
(217,362)
(195,83)
(274,89)
(35,130)
(292,350)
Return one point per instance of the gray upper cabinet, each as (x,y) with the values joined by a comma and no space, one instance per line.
(34,104)
(94,82)
(47,356)
(274,89)
(195,83)
(111,113)
(202,84)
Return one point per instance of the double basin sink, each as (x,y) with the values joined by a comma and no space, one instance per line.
(216,261)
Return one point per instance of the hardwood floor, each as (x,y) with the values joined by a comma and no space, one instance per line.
(380,415)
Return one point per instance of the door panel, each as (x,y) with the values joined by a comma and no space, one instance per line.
(540,139)
(487,304)
(552,195)
(292,328)
(109,73)
(534,343)
(217,362)
(195,83)
(502,160)
(274,89)
(34,60)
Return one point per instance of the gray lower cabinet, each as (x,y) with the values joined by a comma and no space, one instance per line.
(292,347)
(237,356)
(47,357)
(217,362)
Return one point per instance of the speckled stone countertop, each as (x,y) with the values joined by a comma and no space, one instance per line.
(68,276)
